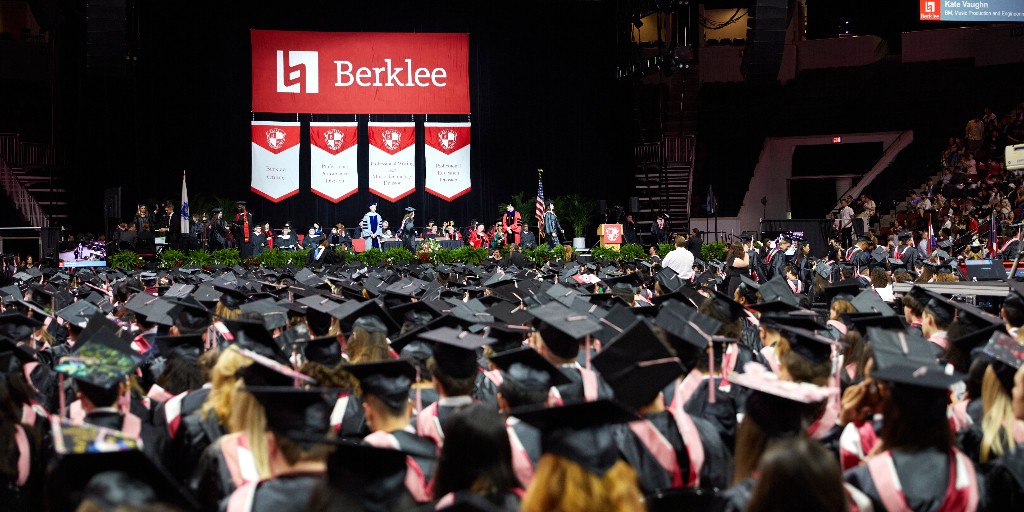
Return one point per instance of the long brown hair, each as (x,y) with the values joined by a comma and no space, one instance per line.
(562,485)
(798,463)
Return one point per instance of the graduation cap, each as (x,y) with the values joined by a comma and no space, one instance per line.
(230,295)
(904,358)
(810,346)
(273,315)
(846,289)
(868,301)
(302,415)
(510,313)
(207,294)
(102,360)
(104,470)
(579,431)
(187,348)
(727,307)
(823,269)
(940,308)
(777,406)
(324,350)
(415,313)
(774,307)
(387,380)
(669,280)
(562,329)
(778,290)
(864,321)
(506,336)
(10,294)
(350,312)
(252,335)
(372,476)
(800,318)
(1008,355)
(455,350)
(637,365)
(17,327)
(529,369)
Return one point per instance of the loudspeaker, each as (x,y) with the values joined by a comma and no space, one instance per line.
(105,41)
(50,237)
(634,204)
(602,206)
(766,37)
(112,203)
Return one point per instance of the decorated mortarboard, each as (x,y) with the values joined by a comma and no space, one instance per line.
(1009,356)
(253,335)
(562,329)
(637,365)
(579,431)
(905,358)
(273,315)
(17,327)
(810,346)
(102,360)
(301,415)
(529,369)
(104,466)
(188,347)
(389,381)
(823,269)
(779,407)
(455,350)
(868,301)
(78,314)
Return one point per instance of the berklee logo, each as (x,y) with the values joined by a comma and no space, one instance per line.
(275,138)
(446,138)
(300,73)
(334,139)
(392,139)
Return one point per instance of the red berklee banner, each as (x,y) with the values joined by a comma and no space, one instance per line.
(275,159)
(360,72)
(392,159)
(333,170)
(447,159)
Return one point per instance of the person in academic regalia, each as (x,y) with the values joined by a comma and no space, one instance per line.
(20,469)
(407,231)
(511,225)
(476,459)
(580,453)
(218,230)
(258,241)
(243,229)
(286,241)
(312,239)
(558,337)
(552,228)
(455,368)
(998,433)
(385,400)
(363,478)
(920,468)
(776,258)
(1005,478)
(659,230)
(372,226)
(799,474)
(667,448)
(321,255)
(298,422)
(144,228)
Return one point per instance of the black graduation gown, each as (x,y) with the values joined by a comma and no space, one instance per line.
(735,498)
(924,477)
(286,493)
(721,414)
(529,436)
(194,434)
(115,421)
(715,472)
(27,497)
(211,481)
(191,403)
(422,450)
(574,390)
(428,395)
(353,422)
(485,391)
(1005,482)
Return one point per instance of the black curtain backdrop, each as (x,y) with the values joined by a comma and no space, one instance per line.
(543,95)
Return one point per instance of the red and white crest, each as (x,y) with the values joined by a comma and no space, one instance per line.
(446,138)
(392,139)
(334,139)
(275,138)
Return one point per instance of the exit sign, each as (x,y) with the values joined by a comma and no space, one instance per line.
(837,140)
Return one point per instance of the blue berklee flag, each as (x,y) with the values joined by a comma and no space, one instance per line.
(709,201)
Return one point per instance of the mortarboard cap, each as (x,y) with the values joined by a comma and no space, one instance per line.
(906,358)
(252,335)
(17,327)
(350,312)
(373,476)
(637,365)
(800,318)
(273,315)
(727,307)
(10,294)
(868,301)
(579,431)
(823,269)
(1008,355)
(775,306)
(864,321)
(810,346)
(940,308)
(562,329)
(102,361)
(324,350)
(846,289)
(302,415)
(777,406)
(187,348)
(529,369)
(387,380)
(1015,298)
(455,350)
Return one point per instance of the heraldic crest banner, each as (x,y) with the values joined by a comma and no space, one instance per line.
(447,159)
(333,167)
(392,170)
(275,159)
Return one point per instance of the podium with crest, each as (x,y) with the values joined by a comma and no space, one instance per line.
(611,235)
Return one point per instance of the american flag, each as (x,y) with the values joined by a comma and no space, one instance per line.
(992,238)
(540,199)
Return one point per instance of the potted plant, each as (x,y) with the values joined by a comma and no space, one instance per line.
(577,212)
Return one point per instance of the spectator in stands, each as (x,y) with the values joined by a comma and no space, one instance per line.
(974,133)
(867,212)
(970,167)
(845,223)
(988,117)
